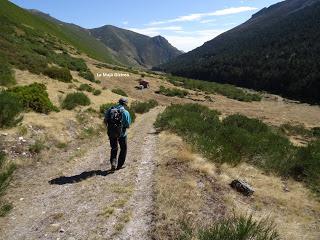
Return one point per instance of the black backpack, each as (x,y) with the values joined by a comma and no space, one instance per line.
(113,120)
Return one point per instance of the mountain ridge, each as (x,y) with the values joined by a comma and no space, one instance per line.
(127,46)
(136,48)
(273,51)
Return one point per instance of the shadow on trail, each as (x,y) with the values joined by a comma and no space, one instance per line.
(80,177)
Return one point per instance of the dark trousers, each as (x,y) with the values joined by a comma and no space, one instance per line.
(122,141)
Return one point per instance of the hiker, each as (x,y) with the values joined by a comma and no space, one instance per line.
(118,119)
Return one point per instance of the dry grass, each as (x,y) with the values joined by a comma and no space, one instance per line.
(296,213)
(293,208)
(179,199)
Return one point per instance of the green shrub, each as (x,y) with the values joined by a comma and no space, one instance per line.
(35,97)
(316,132)
(306,166)
(6,74)
(37,147)
(87,74)
(10,109)
(119,92)
(66,61)
(5,209)
(236,228)
(85,87)
(97,92)
(61,74)
(172,92)
(73,100)
(238,138)
(212,87)
(143,107)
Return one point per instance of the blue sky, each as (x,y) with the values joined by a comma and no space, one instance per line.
(187,24)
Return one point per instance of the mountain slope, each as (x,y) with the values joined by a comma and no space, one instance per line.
(277,50)
(134,48)
(80,40)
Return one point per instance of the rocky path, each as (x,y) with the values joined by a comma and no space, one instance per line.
(88,202)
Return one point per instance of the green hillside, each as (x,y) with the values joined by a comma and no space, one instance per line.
(277,50)
(79,39)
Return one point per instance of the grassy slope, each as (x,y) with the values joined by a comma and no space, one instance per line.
(79,39)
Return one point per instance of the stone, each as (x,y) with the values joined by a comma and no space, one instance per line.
(242,187)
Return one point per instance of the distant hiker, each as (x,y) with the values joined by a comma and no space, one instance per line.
(117,120)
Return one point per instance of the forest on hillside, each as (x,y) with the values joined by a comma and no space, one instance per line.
(282,57)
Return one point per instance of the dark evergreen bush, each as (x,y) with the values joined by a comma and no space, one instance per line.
(73,100)
(10,109)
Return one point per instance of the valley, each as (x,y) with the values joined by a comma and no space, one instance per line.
(189,138)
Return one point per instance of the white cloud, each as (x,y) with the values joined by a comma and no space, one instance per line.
(199,16)
(125,22)
(208,20)
(234,10)
(190,40)
(153,31)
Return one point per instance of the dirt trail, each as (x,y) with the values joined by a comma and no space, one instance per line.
(98,204)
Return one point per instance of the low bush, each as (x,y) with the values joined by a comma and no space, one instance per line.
(143,107)
(5,209)
(87,74)
(236,228)
(66,61)
(61,74)
(306,166)
(97,92)
(212,87)
(6,74)
(10,109)
(316,132)
(85,87)
(238,138)
(34,97)
(172,92)
(73,100)
(119,92)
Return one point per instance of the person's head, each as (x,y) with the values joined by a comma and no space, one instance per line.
(123,101)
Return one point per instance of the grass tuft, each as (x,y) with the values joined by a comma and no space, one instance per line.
(236,228)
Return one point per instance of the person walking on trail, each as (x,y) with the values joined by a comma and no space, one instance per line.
(118,119)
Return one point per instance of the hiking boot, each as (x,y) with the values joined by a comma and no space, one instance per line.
(121,167)
(113,165)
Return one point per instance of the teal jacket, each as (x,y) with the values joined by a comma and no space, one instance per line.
(126,119)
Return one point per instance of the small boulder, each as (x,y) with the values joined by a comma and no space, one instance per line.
(242,187)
